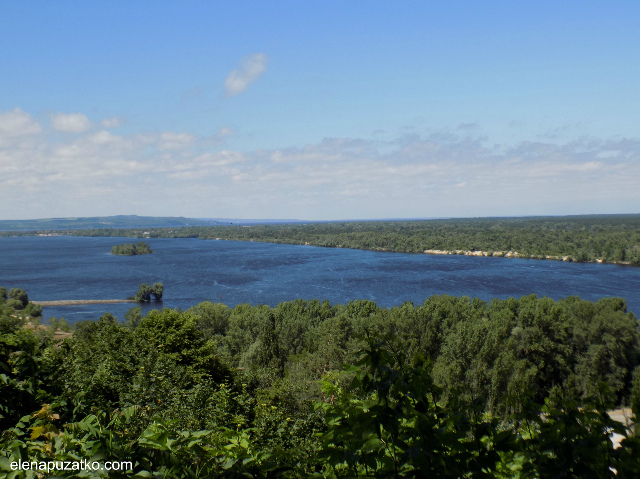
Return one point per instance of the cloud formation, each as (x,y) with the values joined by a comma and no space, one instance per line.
(224,131)
(468,126)
(70,123)
(17,123)
(97,172)
(170,140)
(250,70)
(113,122)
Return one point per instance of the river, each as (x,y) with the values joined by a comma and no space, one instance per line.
(234,272)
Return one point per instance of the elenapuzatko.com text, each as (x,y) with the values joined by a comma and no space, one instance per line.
(84,465)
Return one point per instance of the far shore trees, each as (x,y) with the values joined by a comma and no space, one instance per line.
(587,238)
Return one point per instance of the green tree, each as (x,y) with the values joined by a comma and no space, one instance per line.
(33,310)
(61,323)
(133,317)
(19,295)
(144,293)
(176,334)
(269,354)
(213,319)
(156,290)
(143,248)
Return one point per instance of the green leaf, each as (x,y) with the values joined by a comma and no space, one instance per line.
(143,474)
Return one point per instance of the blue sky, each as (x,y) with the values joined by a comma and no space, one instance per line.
(319,110)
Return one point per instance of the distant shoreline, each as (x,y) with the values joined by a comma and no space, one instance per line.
(72,302)
(611,239)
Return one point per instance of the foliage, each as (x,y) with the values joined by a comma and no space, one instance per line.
(384,421)
(133,317)
(59,324)
(30,372)
(459,388)
(16,309)
(145,292)
(130,249)
(20,296)
(158,451)
(213,319)
(635,394)
(388,423)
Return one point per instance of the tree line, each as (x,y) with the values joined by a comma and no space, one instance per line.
(452,387)
(606,238)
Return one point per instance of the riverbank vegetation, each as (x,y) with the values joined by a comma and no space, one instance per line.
(17,301)
(597,238)
(130,249)
(453,387)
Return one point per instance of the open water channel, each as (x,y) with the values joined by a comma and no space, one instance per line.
(234,272)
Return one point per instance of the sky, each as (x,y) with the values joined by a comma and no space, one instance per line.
(319,110)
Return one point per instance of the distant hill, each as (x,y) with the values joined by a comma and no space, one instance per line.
(121,221)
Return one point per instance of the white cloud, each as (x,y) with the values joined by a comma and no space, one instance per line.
(113,122)
(208,165)
(250,70)
(17,123)
(170,140)
(102,137)
(224,131)
(70,122)
(99,172)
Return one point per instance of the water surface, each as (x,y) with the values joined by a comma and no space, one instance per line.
(234,272)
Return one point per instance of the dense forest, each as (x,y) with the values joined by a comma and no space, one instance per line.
(599,238)
(453,387)
(130,249)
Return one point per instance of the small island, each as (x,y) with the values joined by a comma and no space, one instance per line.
(145,292)
(130,249)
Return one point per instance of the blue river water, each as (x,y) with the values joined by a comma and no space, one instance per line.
(234,272)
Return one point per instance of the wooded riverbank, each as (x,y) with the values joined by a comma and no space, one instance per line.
(586,239)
